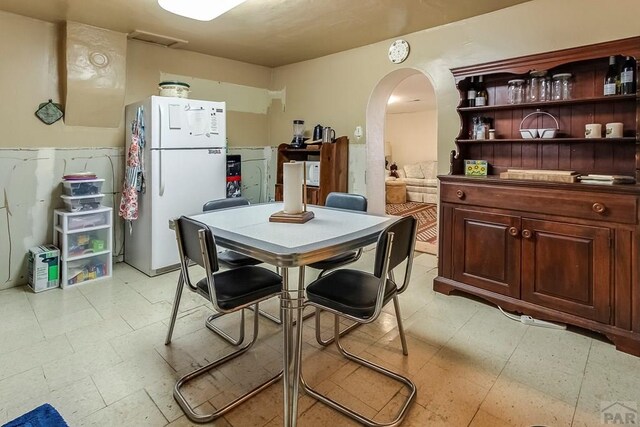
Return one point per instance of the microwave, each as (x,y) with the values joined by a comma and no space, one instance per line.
(313,173)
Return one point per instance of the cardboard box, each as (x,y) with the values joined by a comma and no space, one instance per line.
(43,268)
(475,167)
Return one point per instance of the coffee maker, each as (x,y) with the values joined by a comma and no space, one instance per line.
(298,134)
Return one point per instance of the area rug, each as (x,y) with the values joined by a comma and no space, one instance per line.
(42,416)
(427,216)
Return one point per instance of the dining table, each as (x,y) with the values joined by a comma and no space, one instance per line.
(247,229)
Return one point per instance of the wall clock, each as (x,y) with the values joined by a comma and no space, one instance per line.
(398,51)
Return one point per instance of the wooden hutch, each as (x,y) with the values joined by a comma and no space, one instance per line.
(334,167)
(565,252)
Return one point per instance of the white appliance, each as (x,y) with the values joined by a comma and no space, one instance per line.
(313,173)
(184,167)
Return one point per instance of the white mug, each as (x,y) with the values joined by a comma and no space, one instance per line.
(593,130)
(613,130)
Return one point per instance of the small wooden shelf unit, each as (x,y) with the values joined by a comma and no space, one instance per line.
(334,168)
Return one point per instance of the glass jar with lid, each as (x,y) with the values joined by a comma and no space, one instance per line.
(536,90)
(515,91)
(561,87)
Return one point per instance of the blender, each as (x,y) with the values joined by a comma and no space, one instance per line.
(298,134)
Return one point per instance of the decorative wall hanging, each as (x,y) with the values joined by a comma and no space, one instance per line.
(49,112)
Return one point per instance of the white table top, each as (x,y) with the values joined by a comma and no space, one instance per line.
(247,230)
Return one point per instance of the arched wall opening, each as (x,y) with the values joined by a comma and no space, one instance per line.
(375,119)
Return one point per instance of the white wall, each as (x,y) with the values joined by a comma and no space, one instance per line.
(413,136)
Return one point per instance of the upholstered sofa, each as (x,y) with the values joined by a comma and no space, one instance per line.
(422,184)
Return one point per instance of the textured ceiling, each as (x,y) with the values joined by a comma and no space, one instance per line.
(267,32)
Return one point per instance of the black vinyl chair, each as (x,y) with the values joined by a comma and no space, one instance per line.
(232,259)
(360,296)
(354,202)
(229,291)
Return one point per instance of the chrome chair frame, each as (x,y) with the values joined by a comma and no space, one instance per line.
(338,200)
(385,275)
(184,279)
(213,205)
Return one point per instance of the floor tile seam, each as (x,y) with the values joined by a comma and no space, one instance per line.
(473,382)
(48,391)
(458,329)
(174,371)
(184,314)
(106,340)
(540,390)
(30,369)
(444,318)
(621,370)
(404,372)
(36,365)
(529,385)
(520,339)
(484,399)
(560,367)
(398,393)
(438,346)
(115,351)
(363,402)
(491,414)
(168,421)
(584,372)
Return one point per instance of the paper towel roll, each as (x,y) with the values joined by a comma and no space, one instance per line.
(293,177)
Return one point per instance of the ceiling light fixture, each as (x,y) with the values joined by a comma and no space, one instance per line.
(202,10)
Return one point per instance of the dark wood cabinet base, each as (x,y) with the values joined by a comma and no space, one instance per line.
(626,341)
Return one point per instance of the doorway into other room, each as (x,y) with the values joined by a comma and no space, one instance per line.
(409,146)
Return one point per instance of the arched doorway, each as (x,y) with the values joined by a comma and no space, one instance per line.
(402,128)
(375,119)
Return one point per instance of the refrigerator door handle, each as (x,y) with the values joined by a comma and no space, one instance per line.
(160,175)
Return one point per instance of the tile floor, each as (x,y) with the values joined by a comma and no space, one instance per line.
(97,354)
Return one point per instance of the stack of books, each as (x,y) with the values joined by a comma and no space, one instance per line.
(607,179)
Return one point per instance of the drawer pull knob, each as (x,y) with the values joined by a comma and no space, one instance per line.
(460,194)
(513,231)
(598,208)
(527,233)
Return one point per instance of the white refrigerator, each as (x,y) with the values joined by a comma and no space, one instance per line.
(184,166)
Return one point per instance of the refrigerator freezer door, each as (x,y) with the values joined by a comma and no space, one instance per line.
(187,123)
(182,181)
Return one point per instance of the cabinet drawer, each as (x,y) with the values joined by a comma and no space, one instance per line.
(577,204)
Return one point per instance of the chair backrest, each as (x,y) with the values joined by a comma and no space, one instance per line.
(195,241)
(212,205)
(354,202)
(404,240)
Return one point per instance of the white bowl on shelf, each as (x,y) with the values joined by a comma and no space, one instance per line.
(529,133)
(547,133)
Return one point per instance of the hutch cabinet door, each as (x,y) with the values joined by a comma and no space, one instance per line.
(567,267)
(487,251)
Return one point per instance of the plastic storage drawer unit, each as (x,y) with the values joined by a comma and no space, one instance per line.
(82,187)
(82,203)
